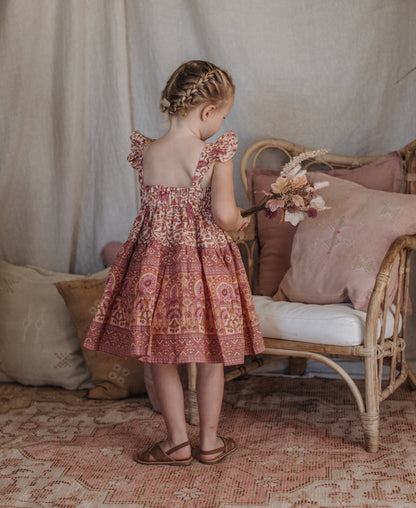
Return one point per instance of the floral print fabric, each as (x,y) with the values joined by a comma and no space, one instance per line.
(178,291)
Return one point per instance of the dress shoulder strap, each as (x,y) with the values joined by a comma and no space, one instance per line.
(220,151)
(225,147)
(135,157)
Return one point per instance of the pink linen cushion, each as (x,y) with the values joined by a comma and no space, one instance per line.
(275,237)
(109,253)
(336,256)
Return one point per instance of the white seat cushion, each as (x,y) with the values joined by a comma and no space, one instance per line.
(336,324)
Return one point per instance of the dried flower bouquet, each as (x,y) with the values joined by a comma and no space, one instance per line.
(292,193)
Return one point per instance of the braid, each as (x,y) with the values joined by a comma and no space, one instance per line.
(192,84)
(206,78)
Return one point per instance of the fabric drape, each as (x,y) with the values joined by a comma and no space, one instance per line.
(79,75)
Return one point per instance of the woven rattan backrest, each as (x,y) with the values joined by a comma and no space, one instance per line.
(285,150)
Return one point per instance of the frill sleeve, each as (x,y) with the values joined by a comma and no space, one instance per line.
(138,141)
(225,147)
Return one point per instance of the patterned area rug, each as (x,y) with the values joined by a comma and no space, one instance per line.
(300,445)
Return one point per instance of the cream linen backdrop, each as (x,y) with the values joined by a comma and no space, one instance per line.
(78,75)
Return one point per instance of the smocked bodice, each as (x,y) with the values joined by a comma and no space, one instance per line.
(181,214)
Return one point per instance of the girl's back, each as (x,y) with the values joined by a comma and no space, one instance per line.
(171,160)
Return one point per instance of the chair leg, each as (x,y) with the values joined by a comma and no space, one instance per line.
(411,378)
(193,413)
(370,424)
(370,416)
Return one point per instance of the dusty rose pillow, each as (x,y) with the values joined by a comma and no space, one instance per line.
(275,237)
(336,256)
(385,173)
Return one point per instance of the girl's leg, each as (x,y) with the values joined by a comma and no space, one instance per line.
(169,391)
(210,390)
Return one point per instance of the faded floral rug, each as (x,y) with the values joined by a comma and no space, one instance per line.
(300,445)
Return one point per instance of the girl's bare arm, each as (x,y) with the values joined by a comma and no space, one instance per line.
(224,209)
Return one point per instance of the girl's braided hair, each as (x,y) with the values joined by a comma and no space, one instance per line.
(194,83)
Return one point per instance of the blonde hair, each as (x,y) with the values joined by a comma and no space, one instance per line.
(194,83)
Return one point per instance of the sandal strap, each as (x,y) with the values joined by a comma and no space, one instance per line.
(156,452)
(211,452)
(217,450)
(178,447)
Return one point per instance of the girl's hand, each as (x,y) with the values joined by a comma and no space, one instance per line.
(245,221)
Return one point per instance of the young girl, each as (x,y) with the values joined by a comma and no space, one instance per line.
(178,292)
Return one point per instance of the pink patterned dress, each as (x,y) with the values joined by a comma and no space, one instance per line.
(178,291)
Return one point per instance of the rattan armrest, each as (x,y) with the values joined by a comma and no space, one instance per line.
(400,250)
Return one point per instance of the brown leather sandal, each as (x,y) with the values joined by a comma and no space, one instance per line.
(162,458)
(229,447)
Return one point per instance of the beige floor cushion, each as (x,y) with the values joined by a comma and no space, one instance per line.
(38,342)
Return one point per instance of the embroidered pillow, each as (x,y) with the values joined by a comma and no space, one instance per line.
(275,237)
(336,256)
(38,342)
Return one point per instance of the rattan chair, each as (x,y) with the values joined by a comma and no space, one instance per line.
(374,352)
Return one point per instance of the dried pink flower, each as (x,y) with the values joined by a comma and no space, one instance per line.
(318,203)
(292,193)
(270,214)
(274,204)
(300,181)
(298,200)
(280,185)
(294,217)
